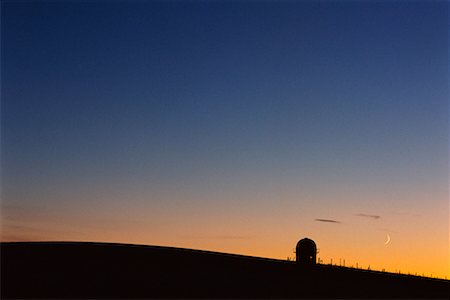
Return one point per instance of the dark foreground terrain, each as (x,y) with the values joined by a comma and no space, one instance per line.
(98,270)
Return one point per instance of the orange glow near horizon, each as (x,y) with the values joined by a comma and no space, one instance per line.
(377,259)
(264,233)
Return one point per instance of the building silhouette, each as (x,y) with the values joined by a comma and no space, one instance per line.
(306,252)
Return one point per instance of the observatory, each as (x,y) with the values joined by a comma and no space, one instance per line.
(306,252)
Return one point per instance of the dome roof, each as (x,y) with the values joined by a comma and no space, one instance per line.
(306,241)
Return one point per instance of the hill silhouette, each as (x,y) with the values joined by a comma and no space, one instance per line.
(106,270)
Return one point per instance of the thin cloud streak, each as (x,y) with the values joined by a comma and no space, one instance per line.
(408,214)
(327,221)
(369,216)
(218,237)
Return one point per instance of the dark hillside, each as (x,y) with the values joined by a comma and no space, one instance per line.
(100,270)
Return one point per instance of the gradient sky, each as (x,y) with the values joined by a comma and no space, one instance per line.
(230,126)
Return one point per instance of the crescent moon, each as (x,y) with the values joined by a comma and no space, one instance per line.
(388,239)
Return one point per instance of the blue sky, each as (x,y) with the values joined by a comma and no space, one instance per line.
(224,104)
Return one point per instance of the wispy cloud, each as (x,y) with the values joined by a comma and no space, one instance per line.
(21,238)
(327,221)
(21,233)
(408,214)
(218,237)
(387,230)
(369,216)
(15,231)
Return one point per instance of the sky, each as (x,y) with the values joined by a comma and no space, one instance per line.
(238,127)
